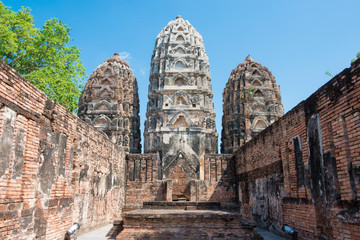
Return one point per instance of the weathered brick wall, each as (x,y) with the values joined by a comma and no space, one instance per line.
(143,183)
(260,195)
(144,180)
(219,184)
(304,169)
(54,168)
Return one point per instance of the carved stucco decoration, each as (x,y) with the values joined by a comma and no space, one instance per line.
(180,93)
(252,101)
(110,103)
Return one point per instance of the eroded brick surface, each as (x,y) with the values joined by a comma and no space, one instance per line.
(54,168)
(303,170)
(144,181)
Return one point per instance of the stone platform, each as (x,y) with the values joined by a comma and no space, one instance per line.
(184,220)
(188,205)
(185,205)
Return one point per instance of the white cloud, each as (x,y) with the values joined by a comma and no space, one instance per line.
(125,55)
(142,71)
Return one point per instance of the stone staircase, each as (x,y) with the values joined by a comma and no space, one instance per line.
(185,220)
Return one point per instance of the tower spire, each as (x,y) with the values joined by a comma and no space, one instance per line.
(180,115)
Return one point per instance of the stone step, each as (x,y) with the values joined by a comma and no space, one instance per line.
(116,229)
(182,224)
(182,205)
(128,209)
(186,205)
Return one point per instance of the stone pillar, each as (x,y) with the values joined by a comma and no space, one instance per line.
(169,186)
(193,190)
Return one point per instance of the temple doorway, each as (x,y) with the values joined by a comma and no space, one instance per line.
(180,180)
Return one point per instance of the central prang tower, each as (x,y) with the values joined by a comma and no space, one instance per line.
(180,123)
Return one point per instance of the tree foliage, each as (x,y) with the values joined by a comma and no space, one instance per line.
(357,57)
(42,55)
(327,72)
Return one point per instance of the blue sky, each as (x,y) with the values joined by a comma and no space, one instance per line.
(297,40)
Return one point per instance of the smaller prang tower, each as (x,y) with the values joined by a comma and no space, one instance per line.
(251,102)
(110,103)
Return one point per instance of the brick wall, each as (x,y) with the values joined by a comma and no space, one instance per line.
(219,184)
(144,181)
(304,169)
(54,168)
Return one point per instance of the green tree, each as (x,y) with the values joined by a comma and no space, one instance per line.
(42,55)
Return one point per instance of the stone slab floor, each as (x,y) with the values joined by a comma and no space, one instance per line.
(97,234)
(269,235)
(100,233)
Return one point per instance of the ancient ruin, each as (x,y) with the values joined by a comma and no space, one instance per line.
(110,103)
(301,170)
(180,123)
(252,102)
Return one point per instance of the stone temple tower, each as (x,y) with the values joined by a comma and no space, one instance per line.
(251,102)
(180,123)
(110,103)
